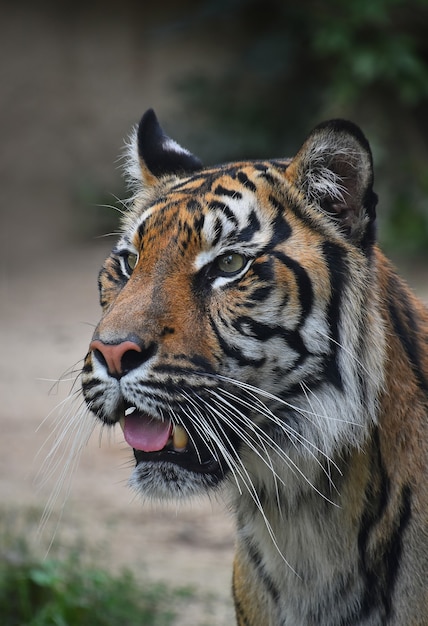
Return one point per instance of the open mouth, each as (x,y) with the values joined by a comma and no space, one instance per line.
(154,440)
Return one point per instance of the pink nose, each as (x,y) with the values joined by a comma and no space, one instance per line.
(119,358)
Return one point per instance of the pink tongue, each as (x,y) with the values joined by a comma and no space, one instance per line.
(143,432)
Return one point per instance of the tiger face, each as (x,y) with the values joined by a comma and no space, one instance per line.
(230,348)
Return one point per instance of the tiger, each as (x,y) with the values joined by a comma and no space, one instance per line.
(256,343)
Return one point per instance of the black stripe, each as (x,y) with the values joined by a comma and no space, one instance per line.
(186,232)
(312,382)
(406,328)
(204,179)
(87,366)
(240,614)
(304,284)
(263,270)
(142,229)
(247,233)
(112,275)
(180,382)
(218,230)
(223,191)
(394,547)
(202,364)
(193,206)
(335,258)
(234,352)
(379,564)
(198,222)
(215,205)
(260,294)
(247,326)
(261,166)
(269,178)
(266,579)
(87,385)
(281,228)
(244,180)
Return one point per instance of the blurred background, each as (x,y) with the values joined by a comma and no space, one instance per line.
(228,79)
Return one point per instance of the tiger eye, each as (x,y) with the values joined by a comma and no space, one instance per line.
(230,263)
(131,260)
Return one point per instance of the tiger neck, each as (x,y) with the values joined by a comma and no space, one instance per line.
(313,544)
(316,519)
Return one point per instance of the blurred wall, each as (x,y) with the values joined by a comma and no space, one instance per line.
(74,79)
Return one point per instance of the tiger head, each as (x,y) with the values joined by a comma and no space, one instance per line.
(233,338)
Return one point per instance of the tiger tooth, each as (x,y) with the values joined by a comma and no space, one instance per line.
(180,438)
(128,411)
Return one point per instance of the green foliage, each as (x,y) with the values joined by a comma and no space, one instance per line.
(287,66)
(68,592)
(374,43)
(63,593)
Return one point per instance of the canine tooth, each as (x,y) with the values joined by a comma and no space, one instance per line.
(122,422)
(180,438)
(130,410)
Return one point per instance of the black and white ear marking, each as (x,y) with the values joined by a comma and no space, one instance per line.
(334,169)
(159,153)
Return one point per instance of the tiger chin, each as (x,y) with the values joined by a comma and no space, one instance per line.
(254,341)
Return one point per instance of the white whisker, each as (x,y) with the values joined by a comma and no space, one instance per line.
(252,491)
(68,438)
(291,433)
(249,442)
(348,352)
(110,206)
(280,452)
(198,419)
(305,390)
(257,391)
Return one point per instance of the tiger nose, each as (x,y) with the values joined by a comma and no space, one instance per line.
(120,358)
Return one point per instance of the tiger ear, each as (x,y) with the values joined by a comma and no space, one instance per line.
(334,170)
(152,154)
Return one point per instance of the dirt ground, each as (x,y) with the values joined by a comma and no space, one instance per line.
(47,313)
